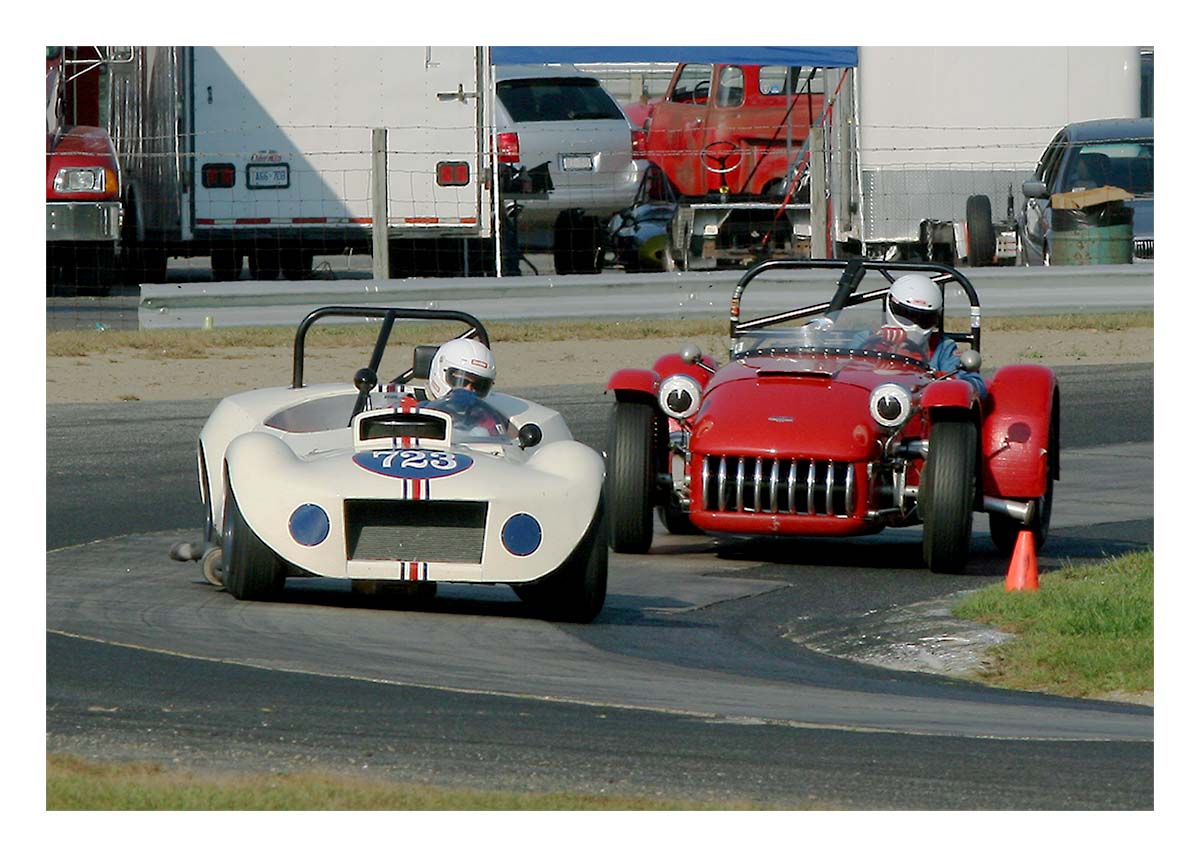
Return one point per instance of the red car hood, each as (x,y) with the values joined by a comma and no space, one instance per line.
(804,407)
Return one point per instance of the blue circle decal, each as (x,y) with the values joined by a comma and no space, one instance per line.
(413,463)
(309,525)
(521,534)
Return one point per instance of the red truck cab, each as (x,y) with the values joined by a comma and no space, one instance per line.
(732,129)
(83,208)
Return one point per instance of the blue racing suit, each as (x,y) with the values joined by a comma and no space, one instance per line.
(945,360)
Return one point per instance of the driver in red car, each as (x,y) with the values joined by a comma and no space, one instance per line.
(914,305)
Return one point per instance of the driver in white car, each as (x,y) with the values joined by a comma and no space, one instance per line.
(460,377)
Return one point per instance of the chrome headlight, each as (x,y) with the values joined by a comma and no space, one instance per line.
(890,405)
(81,180)
(679,396)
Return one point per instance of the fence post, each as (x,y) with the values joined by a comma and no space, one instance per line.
(379,204)
(818,213)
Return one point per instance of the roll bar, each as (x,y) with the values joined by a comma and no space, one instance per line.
(389,316)
(853,272)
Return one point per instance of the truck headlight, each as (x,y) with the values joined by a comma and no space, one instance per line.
(679,396)
(890,405)
(82,180)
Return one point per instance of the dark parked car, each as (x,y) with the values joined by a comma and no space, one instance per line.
(1086,155)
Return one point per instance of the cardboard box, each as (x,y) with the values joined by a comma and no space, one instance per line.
(1088,198)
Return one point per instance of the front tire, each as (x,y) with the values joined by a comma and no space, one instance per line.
(947,495)
(251,570)
(575,592)
(629,477)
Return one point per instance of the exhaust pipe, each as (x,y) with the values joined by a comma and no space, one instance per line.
(1021,511)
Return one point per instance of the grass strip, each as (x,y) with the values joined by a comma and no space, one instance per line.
(78,784)
(175,344)
(1087,631)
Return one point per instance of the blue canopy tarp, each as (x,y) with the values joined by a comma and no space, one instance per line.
(821,57)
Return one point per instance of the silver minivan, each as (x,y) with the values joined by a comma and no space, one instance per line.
(566,153)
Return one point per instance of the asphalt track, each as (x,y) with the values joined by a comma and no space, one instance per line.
(686,685)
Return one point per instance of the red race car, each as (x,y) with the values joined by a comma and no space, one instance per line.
(826,423)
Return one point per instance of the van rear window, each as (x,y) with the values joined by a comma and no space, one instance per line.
(556,99)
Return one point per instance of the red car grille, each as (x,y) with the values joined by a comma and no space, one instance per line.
(794,486)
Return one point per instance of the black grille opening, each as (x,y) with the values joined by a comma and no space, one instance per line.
(415,530)
(422,426)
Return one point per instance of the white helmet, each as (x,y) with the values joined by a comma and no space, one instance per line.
(914,303)
(462,363)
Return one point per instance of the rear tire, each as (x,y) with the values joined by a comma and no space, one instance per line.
(677,521)
(981,232)
(629,478)
(947,495)
(251,570)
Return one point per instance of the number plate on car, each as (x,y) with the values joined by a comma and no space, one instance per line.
(576,162)
(268,175)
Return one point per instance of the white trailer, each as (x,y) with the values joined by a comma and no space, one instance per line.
(268,153)
(928,143)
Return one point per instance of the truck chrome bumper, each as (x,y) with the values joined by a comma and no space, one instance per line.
(83,221)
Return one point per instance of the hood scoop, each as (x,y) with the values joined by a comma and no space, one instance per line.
(823,376)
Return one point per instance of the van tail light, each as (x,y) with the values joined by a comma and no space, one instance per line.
(637,140)
(508,148)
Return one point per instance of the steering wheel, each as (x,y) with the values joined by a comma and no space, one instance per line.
(720,151)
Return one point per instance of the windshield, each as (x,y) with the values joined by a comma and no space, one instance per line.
(556,99)
(472,419)
(853,333)
(1127,164)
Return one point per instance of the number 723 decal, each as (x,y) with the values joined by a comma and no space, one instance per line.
(413,463)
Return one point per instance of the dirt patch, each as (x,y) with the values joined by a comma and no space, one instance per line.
(126,375)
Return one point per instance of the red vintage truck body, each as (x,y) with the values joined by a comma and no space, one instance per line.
(740,130)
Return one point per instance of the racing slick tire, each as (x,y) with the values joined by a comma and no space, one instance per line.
(1005,530)
(947,495)
(575,591)
(629,477)
(251,570)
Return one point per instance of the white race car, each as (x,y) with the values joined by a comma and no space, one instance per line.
(374,482)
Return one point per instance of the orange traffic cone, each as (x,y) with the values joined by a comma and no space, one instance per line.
(1022,569)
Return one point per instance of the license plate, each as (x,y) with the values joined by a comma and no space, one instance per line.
(267,175)
(576,162)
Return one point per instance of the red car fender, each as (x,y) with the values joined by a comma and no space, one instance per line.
(673,364)
(635,384)
(1017,421)
(948,393)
